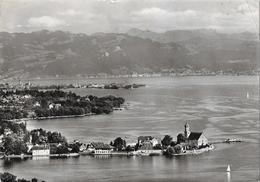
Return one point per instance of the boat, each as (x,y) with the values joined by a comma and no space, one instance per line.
(228,168)
(247,95)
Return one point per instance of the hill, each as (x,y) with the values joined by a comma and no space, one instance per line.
(48,53)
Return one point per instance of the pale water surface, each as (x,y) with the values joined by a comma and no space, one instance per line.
(216,105)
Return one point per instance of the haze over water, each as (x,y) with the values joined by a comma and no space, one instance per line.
(219,106)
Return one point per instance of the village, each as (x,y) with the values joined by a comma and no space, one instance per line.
(44,145)
(18,106)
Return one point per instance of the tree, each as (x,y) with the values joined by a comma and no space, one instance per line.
(14,145)
(62,149)
(119,144)
(173,143)
(56,137)
(157,147)
(8,177)
(129,148)
(177,148)
(34,180)
(169,151)
(181,138)
(166,141)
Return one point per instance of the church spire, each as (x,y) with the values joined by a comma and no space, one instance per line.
(186,130)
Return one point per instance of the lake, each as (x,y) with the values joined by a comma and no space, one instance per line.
(217,105)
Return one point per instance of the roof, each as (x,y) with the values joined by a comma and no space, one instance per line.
(194,135)
(146,146)
(145,138)
(100,145)
(40,147)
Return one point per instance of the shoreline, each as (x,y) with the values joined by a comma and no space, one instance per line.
(116,76)
(196,152)
(51,117)
(22,156)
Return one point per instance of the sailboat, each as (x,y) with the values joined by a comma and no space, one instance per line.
(228,168)
(247,95)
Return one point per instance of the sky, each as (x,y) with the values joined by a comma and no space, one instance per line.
(90,16)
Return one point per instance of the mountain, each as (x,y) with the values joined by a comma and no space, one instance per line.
(55,53)
(209,48)
(184,35)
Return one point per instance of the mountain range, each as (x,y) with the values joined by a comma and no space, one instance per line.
(55,53)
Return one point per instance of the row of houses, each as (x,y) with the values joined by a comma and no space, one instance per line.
(146,145)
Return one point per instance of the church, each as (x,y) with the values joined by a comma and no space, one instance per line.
(194,139)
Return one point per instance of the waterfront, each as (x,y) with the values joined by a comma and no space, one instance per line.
(217,104)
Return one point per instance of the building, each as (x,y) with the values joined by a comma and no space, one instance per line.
(101,148)
(194,139)
(186,130)
(197,139)
(40,150)
(148,139)
(36,104)
(54,106)
(156,141)
(143,139)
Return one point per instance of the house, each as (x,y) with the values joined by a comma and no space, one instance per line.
(147,149)
(148,139)
(56,106)
(143,139)
(51,106)
(7,131)
(155,141)
(40,150)
(37,104)
(29,146)
(146,146)
(131,144)
(101,148)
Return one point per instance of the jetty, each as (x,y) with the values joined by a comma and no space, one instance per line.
(228,140)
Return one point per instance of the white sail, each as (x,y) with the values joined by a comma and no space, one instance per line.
(228,168)
(247,95)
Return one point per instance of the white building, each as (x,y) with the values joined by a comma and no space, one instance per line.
(41,150)
(101,148)
(155,141)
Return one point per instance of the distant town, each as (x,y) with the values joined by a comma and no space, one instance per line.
(180,72)
(22,85)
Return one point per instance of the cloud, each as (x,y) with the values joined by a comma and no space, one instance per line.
(158,12)
(45,21)
(70,12)
(90,16)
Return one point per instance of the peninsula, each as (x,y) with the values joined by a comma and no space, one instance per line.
(35,104)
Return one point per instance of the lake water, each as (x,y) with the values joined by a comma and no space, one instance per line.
(218,105)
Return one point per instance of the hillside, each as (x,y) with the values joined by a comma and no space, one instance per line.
(62,53)
(209,48)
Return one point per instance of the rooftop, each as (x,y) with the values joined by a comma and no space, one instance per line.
(194,135)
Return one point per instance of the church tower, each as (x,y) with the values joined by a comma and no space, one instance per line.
(186,130)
